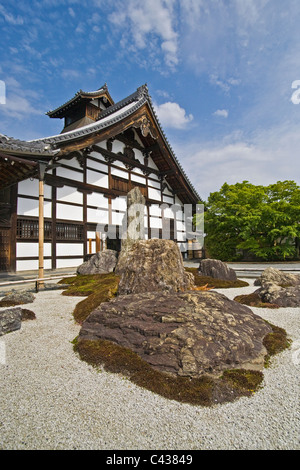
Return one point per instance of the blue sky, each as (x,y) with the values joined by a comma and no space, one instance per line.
(224,76)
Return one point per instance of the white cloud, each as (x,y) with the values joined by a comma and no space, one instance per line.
(11,19)
(19,107)
(148,18)
(172,115)
(221,112)
(269,156)
(71,12)
(70,74)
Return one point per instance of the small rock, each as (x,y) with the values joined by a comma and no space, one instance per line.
(102,262)
(10,320)
(17,298)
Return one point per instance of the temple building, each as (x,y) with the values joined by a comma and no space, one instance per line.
(72,187)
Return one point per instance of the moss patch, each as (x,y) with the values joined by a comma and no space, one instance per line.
(253,300)
(204,391)
(97,288)
(215,283)
(275,342)
(27,314)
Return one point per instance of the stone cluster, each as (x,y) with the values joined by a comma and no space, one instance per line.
(278,287)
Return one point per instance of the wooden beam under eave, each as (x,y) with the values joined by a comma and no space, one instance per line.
(103,134)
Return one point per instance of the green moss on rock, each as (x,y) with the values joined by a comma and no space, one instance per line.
(97,288)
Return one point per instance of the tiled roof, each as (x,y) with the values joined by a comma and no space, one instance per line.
(78,97)
(33,148)
(112,115)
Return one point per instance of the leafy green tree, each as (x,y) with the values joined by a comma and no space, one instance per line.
(245,220)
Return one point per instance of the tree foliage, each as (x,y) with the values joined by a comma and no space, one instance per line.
(249,221)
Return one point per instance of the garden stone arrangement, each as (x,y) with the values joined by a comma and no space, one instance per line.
(161,319)
(161,328)
(277,288)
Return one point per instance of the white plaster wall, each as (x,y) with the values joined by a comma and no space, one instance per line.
(69,263)
(179,215)
(31,188)
(28,265)
(69,194)
(97,216)
(91,235)
(70,174)
(154,194)
(120,204)
(180,226)
(180,236)
(97,200)
(138,179)
(68,212)
(74,163)
(118,146)
(155,222)
(31,207)
(168,192)
(119,173)
(155,210)
(100,144)
(30,250)
(69,249)
(117,218)
(178,201)
(169,200)
(152,165)
(155,184)
(138,154)
(97,179)
(97,165)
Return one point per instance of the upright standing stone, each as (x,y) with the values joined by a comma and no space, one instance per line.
(133,223)
(135,227)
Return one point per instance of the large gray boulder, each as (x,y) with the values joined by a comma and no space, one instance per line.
(183,334)
(10,320)
(216,269)
(152,265)
(102,262)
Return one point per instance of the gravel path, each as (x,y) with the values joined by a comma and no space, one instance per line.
(49,399)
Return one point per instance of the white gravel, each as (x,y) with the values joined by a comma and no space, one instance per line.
(51,400)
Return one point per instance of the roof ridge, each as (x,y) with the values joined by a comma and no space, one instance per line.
(76,95)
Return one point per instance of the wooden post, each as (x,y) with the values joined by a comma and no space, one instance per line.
(42,169)
(98,242)
(41,232)
(90,246)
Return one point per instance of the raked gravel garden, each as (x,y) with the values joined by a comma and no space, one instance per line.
(52,400)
